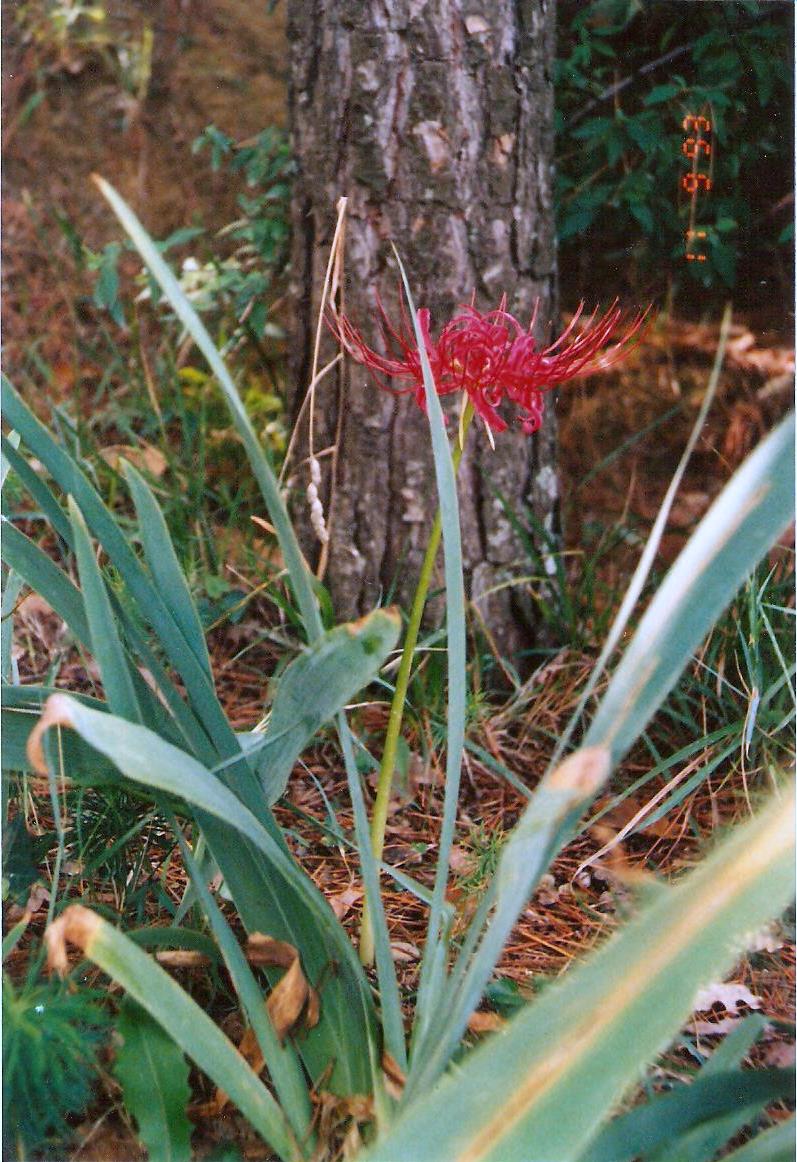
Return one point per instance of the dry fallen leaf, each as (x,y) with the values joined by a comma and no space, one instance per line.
(39,619)
(489,1022)
(142,456)
(403,951)
(342,902)
(729,995)
(340,1117)
(780,1055)
(39,896)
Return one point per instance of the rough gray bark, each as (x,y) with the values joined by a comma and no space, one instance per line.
(435,118)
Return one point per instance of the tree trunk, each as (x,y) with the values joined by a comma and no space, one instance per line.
(435,119)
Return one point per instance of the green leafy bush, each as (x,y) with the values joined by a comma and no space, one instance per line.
(627,73)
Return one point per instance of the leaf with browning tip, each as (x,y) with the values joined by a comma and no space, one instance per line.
(291,997)
(288,999)
(266,952)
(189,1025)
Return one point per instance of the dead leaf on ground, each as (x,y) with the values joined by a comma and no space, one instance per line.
(143,456)
(780,1055)
(629,810)
(460,860)
(729,995)
(343,902)
(744,429)
(332,1115)
(485,1022)
(38,897)
(39,618)
(403,951)
(113,1142)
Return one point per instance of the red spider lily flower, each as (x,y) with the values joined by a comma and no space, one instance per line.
(491,357)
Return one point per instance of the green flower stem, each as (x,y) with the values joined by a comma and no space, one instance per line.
(388,764)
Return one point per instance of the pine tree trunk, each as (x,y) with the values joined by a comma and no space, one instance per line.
(435,119)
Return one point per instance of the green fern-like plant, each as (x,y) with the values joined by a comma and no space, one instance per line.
(51,1039)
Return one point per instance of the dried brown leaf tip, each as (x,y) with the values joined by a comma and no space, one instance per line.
(182,958)
(76,925)
(293,996)
(56,713)
(292,1000)
(583,772)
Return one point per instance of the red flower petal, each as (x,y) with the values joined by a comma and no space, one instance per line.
(490,356)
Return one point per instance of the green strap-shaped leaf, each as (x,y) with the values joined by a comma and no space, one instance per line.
(645,564)
(755,506)
(13,442)
(703,1142)
(341,1047)
(270,891)
(352,1054)
(281,1060)
(153,1074)
(39,491)
(144,757)
(139,586)
(156,936)
(539,1090)
(744,521)
(297,569)
(164,566)
(557,804)
(22,709)
(434,955)
(187,1024)
(673,1119)
(106,645)
(11,591)
(774,1145)
(45,578)
(316,685)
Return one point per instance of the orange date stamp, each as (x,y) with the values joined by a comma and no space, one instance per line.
(697,148)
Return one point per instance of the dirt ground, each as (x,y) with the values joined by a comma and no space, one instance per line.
(212,61)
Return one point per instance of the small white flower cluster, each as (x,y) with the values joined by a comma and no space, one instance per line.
(316,507)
